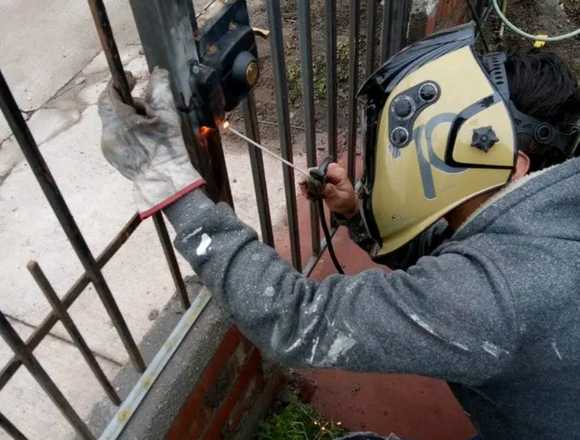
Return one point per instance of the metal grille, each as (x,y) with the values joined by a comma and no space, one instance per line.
(160,51)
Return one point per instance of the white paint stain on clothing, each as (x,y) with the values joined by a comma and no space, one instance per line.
(556,350)
(341,346)
(192,234)
(419,321)
(313,352)
(269,292)
(204,245)
(493,349)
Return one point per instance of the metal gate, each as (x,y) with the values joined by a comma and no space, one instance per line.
(170,35)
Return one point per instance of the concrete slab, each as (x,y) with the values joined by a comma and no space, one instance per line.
(28,406)
(44,45)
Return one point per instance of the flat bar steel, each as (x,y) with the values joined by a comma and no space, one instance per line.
(107,38)
(69,298)
(281,87)
(258,173)
(386,29)
(62,314)
(162,358)
(171,259)
(353,87)
(42,378)
(371,36)
(305,40)
(331,75)
(10,429)
(52,193)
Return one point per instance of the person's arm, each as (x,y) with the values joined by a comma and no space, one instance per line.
(447,317)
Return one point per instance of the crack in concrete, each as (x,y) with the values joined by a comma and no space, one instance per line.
(64,340)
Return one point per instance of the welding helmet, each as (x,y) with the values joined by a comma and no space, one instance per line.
(440,129)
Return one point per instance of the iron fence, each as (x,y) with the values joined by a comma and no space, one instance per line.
(155,19)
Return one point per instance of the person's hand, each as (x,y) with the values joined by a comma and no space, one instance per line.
(146,146)
(338,194)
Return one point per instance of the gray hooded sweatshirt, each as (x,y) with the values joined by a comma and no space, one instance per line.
(494,309)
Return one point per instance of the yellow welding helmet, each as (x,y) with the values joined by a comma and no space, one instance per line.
(439,131)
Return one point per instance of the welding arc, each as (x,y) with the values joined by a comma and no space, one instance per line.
(265,150)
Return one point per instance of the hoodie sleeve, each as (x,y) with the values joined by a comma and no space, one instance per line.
(446,317)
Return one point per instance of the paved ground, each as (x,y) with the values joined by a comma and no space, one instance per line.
(51,58)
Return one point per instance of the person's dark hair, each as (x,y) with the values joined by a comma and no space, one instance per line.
(544,87)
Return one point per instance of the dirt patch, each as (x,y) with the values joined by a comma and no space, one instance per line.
(548,17)
(265,91)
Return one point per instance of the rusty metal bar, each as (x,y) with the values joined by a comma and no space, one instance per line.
(10,429)
(107,38)
(53,195)
(171,259)
(62,314)
(397,27)
(371,36)
(281,86)
(305,39)
(353,86)
(257,164)
(69,298)
(331,69)
(35,369)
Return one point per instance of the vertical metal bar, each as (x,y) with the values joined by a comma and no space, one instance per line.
(10,429)
(331,63)
(386,29)
(281,82)
(35,369)
(52,193)
(62,314)
(396,34)
(171,259)
(406,19)
(257,164)
(107,38)
(352,86)
(69,298)
(305,39)
(371,36)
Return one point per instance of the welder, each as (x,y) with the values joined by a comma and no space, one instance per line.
(471,191)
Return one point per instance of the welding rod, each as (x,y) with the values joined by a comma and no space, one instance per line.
(229,127)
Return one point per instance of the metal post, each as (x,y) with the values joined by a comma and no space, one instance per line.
(171,259)
(60,311)
(52,193)
(167,30)
(35,369)
(371,36)
(331,62)
(257,164)
(353,86)
(304,28)
(10,429)
(281,83)
(396,34)
(69,298)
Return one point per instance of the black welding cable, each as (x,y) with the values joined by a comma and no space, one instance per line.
(328,237)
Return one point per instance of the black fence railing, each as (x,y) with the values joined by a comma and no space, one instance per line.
(155,19)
